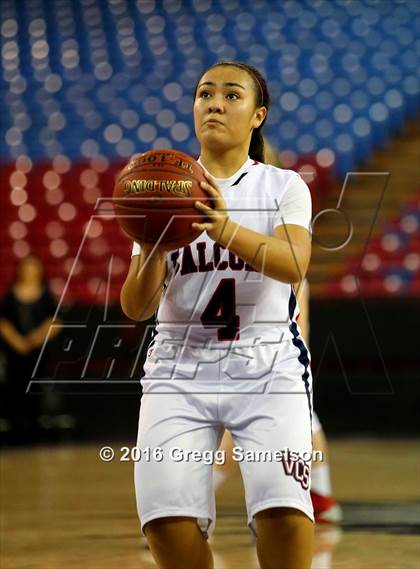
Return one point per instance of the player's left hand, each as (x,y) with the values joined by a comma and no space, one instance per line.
(217,214)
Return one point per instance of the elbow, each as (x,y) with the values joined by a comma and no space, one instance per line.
(298,269)
(130,312)
(137,314)
(127,307)
(293,272)
(297,275)
(291,277)
(294,277)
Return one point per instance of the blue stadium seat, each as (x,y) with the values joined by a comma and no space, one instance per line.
(71,68)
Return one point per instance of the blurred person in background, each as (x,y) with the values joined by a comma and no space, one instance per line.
(26,314)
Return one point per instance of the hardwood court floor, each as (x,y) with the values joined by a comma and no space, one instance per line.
(63,508)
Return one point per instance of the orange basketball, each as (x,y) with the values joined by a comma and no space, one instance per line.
(154,198)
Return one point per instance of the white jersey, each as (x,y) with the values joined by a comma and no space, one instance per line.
(212,297)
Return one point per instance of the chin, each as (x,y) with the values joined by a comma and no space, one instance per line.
(210,139)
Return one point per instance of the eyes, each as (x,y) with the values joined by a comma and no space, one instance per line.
(232,96)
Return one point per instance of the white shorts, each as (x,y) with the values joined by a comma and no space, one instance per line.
(261,394)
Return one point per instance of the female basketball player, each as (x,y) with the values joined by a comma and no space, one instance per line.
(326,509)
(228,352)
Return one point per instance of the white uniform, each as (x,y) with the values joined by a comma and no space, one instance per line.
(228,354)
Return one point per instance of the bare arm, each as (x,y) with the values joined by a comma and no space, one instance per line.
(15,340)
(284,256)
(143,287)
(37,337)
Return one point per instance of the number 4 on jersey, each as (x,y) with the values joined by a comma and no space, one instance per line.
(220,311)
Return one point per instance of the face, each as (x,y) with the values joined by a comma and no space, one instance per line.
(224,109)
(31,269)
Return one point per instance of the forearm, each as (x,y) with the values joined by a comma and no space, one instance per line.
(38,335)
(12,337)
(274,257)
(142,290)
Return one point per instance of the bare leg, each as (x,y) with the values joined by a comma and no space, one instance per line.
(285,539)
(177,543)
(222,471)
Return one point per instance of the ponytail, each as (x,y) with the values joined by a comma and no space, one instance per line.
(256,147)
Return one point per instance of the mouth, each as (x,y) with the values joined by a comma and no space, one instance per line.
(213,121)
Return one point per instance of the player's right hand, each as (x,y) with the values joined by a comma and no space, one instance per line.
(148,247)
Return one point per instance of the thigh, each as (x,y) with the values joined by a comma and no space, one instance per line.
(274,445)
(177,436)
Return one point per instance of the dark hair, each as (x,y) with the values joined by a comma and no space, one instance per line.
(262,99)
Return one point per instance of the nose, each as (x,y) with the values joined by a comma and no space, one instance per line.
(215,108)
(215,105)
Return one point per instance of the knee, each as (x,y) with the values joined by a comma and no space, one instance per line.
(177,542)
(161,528)
(167,530)
(288,521)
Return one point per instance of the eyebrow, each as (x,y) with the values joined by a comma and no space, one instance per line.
(224,84)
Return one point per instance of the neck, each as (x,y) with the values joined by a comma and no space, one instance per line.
(223,164)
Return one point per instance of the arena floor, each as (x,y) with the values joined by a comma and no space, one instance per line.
(63,508)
